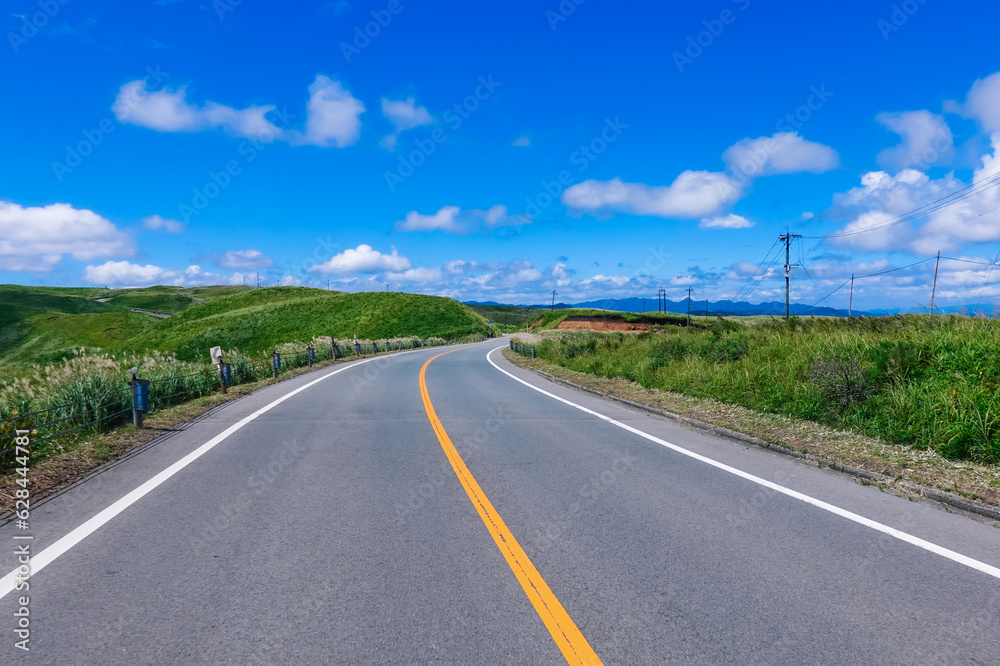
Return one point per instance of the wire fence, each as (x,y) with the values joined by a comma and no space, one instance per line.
(55,427)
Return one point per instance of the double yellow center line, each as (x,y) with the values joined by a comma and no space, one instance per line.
(567,636)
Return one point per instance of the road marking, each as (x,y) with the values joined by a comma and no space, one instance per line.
(90,526)
(567,636)
(844,513)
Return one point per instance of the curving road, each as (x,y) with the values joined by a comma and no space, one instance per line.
(381,515)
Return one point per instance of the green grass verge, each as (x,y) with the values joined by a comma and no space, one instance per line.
(916,380)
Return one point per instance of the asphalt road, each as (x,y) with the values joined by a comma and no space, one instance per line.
(332,529)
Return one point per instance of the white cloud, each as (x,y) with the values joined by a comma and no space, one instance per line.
(443,220)
(156,222)
(167,110)
(880,211)
(125,274)
(706,194)
(522,141)
(783,153)
(693,194)
(730,221)
(983,102)
(454,220)
(362,259)
(417,275)
(606,280)
(926,140)
(333,115)
(404,115)
(38,238)
(243,259)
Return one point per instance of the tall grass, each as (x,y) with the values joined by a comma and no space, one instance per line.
(88,393)
(930,382)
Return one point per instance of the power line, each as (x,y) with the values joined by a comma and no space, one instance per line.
(926,209)
(750,279)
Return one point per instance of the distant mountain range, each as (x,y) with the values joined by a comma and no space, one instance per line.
(727,308)
(730,308)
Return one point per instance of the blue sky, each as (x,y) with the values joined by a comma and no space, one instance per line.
(498,152)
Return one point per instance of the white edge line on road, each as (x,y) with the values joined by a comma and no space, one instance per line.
(63,544)
(844,513)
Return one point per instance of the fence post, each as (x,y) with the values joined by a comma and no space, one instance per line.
(333,347)
(275,362)
(312,354)
(532,353)
(357,348)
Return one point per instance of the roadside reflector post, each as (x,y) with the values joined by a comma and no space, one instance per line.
(275,362)
(532,353)
(312,355)
(333,347)
(140,397)
(357,348)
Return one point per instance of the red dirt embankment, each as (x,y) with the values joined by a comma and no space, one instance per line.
(584,324)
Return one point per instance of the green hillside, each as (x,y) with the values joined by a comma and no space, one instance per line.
(41,325)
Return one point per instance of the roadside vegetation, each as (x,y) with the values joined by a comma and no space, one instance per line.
(928,382)
(67,352)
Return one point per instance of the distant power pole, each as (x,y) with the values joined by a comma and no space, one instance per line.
(689,307)
(850,303)
(787,239)
(934,288)
(553,300)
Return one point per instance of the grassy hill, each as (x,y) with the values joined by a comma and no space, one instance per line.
(44,324)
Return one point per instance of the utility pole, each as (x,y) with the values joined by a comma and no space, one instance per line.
(553,300)
(850,303)
(787,239)
(689,307)
(258,279)
(934,288)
